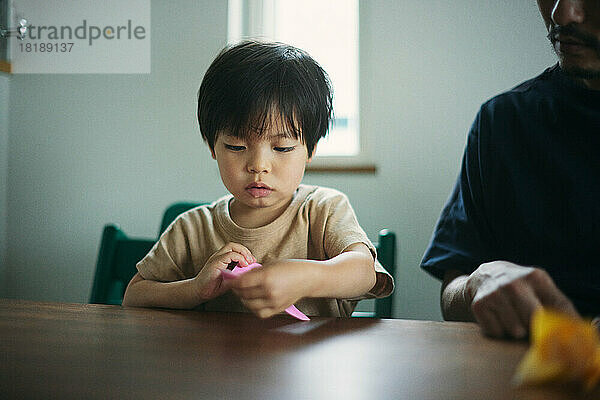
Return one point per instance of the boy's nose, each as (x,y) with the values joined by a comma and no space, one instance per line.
(258,164)
(566,12)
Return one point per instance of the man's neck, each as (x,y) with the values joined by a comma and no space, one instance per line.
(580,79)
(592,84)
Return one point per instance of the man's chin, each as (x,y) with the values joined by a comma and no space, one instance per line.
(578,72)
(579,66)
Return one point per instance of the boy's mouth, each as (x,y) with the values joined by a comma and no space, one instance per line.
(258,189)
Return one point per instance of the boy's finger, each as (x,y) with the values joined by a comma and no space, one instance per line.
(232,257)
(261,307)
(237,248)
(256,304)
(251,279)
(249,293)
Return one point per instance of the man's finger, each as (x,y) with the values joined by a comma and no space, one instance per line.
(509,318)
(487,320)
(596,322)
(548,294)
(524,301)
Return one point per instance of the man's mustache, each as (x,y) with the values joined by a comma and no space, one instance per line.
(571,31)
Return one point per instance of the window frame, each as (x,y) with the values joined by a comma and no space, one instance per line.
(250,19)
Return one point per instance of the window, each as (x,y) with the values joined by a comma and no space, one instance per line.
(328,31)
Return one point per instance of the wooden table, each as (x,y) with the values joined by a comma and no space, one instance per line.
(79,351)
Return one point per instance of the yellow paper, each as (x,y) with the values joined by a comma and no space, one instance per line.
(563,349)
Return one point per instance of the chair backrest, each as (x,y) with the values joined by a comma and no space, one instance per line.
(386,254)
(173,212)
(115,267)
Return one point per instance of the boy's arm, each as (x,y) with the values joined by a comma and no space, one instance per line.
(350,274)
(269,290)
(188,293)
(183,294)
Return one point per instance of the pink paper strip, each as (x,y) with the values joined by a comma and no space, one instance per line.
(294,312)
(237,271)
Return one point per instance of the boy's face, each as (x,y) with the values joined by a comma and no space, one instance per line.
(262,173)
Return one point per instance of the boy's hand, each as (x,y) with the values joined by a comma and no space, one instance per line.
(210,283)
(271,289)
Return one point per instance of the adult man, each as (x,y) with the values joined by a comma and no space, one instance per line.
(522,227)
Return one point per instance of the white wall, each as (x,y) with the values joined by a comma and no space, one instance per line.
(426,67)
(4,91)
(86,150)
(90,149)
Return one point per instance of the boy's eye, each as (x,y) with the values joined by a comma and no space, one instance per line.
(234,148)
(284,149)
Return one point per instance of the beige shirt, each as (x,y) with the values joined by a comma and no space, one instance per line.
(318,225)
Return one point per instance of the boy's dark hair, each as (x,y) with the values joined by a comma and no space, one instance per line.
(251,81)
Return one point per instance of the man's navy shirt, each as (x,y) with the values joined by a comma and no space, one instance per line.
(529,188)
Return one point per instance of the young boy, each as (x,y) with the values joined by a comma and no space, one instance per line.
(262,108)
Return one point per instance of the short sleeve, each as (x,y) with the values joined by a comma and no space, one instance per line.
(461,237)
(384,283)
(335,226)
(173,257)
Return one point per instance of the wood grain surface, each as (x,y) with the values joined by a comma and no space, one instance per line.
(83,351)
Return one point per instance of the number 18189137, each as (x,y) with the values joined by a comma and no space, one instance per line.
(59,47)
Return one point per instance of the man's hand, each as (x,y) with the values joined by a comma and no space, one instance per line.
(502,297)
(209,282)
(271,289)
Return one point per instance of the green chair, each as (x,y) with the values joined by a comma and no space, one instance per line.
(120,253)
(386,255)
(115,267)
(173,212)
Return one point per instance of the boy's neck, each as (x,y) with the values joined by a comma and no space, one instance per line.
(248,217)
